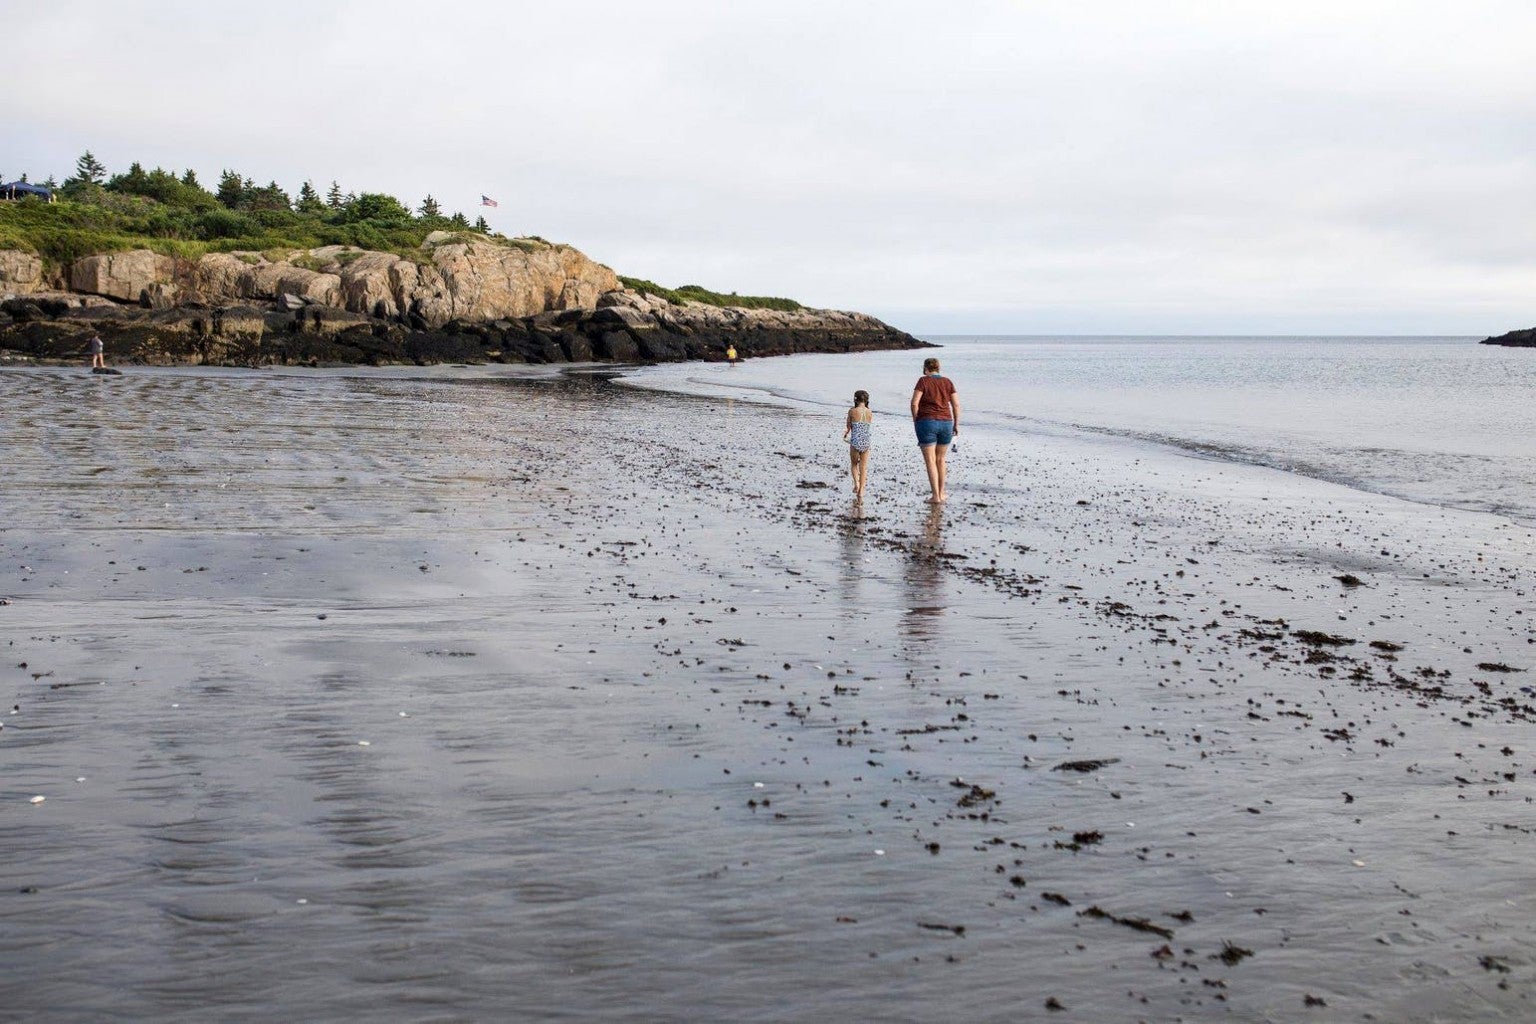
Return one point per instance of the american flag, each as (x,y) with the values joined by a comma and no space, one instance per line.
(488,201)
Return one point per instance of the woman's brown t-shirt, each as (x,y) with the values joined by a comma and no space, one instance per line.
(936,392)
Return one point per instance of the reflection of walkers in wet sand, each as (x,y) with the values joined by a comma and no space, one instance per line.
(924,578)
(936,418)
(98,354)
(856,432)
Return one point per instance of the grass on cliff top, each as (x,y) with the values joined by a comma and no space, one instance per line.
(67,230)
(698,293)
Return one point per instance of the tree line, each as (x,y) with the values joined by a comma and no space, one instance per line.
(175,213)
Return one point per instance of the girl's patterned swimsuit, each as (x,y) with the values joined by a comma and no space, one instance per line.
(858,437)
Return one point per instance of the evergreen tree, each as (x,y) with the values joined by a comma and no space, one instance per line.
(460,221)
(269,197)
(50,184)
(380,208)
(482,226)
(430,208)
(190,179)
(89,170)
(309,199)
(231,191)
(333,197)
(24,178)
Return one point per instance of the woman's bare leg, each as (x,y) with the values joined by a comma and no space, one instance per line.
(930,463)
(942,470)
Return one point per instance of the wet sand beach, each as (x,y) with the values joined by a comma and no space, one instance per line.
(434,695)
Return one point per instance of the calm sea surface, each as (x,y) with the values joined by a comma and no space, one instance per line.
(1439,420)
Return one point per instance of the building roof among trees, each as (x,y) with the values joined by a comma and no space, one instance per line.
(17,189)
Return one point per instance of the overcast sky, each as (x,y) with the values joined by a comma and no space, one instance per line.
(1003,167)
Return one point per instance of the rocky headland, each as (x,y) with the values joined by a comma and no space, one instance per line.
(1514,339)
(462,297)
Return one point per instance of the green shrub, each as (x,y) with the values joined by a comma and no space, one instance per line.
(697,293)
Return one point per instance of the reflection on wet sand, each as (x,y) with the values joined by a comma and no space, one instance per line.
(924,577)
(853,538)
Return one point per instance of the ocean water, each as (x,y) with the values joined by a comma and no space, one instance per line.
(1438,420)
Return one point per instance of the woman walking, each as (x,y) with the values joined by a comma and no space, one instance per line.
(856,432)
(936,418)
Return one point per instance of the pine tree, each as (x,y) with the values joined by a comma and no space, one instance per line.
(481,226)
(269,197)
(333,197)
(309,199)
(460,221)
(190,179)
(231,191)
(430,208)
(24,179)
(50,184)
(89,170)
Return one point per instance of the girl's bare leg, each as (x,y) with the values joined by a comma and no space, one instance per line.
(853,469)
(860,473)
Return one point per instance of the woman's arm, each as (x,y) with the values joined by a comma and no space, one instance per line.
(954,410)
(917,399)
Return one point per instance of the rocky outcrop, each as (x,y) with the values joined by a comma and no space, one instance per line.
(461,297)
(1514,339)
(21,273)
(485,281)
(236,276)
(457,277)
(624,327)
(122,275)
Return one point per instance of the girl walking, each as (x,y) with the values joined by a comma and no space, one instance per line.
(857,433)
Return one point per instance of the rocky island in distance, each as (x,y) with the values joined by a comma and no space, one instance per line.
(167,272)
(464,297)
(1514,339)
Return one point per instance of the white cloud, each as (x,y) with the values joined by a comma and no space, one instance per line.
(1015,166)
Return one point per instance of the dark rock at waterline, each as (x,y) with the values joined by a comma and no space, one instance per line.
(625,328)
(1514,339)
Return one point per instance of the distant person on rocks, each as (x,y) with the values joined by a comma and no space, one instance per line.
(98,353)
(856,432)
(936,418)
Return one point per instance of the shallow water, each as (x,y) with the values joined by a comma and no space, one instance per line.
(659,726)
(1439,420)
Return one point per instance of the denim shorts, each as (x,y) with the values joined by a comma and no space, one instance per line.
(931,432)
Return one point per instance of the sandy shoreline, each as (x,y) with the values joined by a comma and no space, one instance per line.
(659,727)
